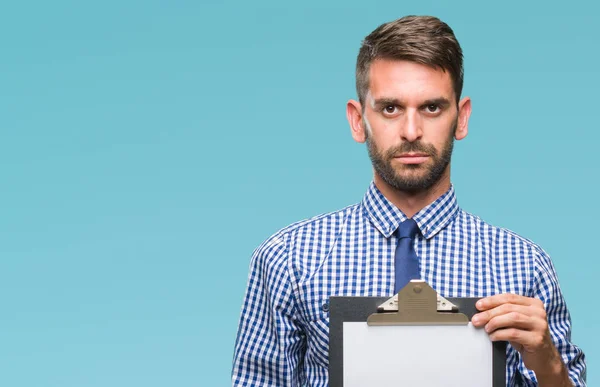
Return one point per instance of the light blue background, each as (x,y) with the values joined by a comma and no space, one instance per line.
(147,147)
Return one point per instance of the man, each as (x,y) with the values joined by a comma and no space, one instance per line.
(409,80)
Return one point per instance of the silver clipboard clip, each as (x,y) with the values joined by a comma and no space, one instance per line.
(417,304)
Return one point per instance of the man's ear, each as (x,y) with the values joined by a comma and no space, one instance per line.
(354,115)
(464,112)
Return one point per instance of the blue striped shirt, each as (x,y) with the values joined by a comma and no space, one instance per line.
(283,331)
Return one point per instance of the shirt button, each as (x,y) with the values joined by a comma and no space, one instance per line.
(325,307)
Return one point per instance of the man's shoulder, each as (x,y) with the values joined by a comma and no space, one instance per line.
(496,234)
(333,217)
(319,226)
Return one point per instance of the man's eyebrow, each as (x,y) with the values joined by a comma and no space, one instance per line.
(386,101)
(440,101)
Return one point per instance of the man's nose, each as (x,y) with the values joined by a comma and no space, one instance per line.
(412,128)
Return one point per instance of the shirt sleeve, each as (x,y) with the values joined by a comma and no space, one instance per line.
(546,288)
(270,342)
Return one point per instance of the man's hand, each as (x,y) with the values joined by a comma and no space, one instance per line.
(523,323)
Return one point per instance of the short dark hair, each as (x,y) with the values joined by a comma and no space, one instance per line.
(421,39)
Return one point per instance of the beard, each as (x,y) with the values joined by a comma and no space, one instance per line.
(412,178)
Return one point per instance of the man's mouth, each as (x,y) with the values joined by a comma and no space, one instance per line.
(412,158)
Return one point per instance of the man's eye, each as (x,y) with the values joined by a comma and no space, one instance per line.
(432,108)
(390,109)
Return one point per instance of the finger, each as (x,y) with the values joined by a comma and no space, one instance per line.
(516,320)
(483,318)
(506,298)
(530,339)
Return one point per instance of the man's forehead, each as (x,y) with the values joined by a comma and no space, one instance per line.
(405,80)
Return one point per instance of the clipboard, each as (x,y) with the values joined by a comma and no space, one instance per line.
(417,318)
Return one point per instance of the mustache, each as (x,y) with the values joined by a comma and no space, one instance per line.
(411,147)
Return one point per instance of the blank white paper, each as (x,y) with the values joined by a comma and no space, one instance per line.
(425,356)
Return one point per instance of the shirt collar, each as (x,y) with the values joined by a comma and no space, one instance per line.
(386,217)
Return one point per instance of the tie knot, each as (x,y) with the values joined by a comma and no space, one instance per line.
(408,229)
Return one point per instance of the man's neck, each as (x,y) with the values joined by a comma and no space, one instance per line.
(412,202)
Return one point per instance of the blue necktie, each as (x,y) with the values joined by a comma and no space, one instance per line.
(406,260)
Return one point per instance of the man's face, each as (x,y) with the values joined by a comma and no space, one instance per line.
(410,118)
